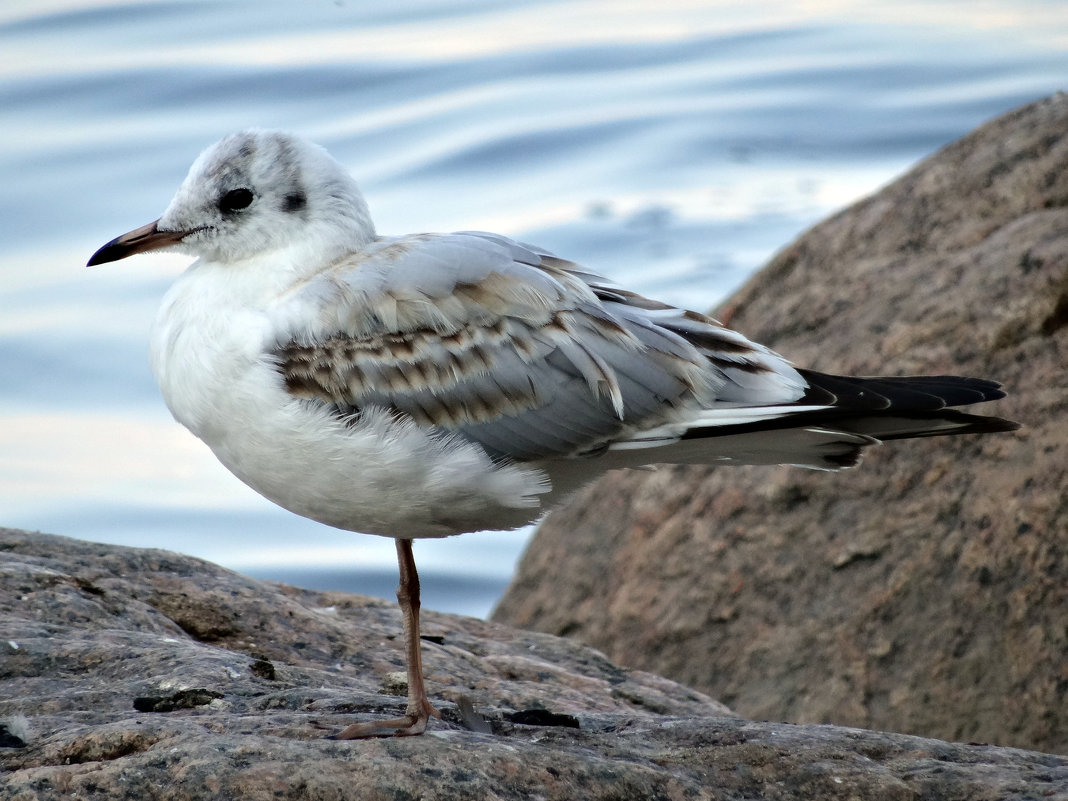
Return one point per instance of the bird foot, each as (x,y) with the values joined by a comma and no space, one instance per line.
(413,723)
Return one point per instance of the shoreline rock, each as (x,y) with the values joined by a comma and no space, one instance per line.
(926,591)
(244,678)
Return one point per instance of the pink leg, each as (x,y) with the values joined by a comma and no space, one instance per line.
(419,707)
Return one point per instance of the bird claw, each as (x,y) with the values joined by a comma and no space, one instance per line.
(413,723)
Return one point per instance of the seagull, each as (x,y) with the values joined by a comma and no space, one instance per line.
(434,384)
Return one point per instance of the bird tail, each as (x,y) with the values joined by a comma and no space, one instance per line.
(902,407)
(828,427)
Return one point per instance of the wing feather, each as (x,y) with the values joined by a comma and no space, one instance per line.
(508,345)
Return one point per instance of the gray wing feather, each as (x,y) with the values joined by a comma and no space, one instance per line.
(511,347)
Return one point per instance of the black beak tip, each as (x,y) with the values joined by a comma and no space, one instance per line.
(139,240)
(108,253)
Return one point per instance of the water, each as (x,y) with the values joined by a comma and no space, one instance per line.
(672,145)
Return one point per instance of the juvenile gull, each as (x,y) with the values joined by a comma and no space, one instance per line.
(434,384)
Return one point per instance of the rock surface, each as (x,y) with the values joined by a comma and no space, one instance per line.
(237,681)
(926,591)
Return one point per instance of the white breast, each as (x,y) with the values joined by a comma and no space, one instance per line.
(211,354)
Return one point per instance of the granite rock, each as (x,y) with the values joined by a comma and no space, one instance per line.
(142,674)
(927,590)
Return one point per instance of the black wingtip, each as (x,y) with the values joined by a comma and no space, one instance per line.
(960,423)
(898,393)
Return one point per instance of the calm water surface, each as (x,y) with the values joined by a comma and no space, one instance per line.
(672,145)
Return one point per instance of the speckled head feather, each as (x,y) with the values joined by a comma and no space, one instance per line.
(257,191)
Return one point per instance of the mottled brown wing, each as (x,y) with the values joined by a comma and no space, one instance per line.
(481,336)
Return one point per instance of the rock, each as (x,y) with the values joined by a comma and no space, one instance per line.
(245,677)
(927,590)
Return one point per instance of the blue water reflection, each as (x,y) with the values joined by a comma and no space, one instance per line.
(672,145)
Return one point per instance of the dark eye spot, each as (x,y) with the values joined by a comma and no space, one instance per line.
(235,200)
(295,201)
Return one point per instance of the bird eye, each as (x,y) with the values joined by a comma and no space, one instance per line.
(235,200)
